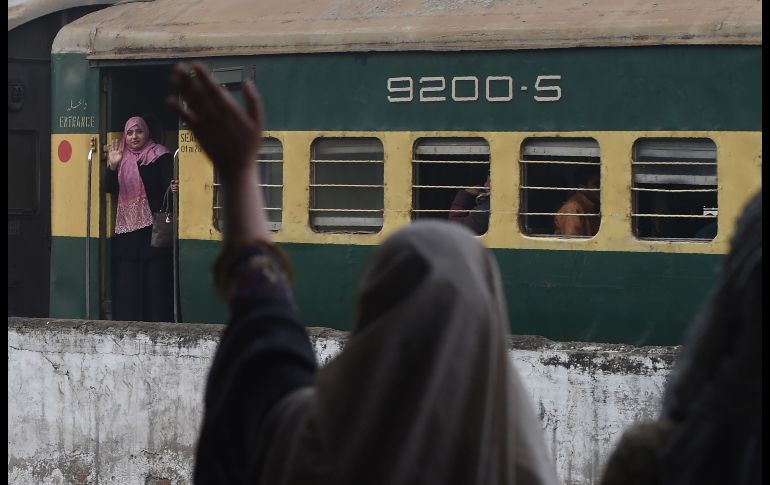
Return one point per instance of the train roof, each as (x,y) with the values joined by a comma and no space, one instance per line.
(23,11)
(179,28)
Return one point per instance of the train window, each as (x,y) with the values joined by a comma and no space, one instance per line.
(560,187)
(22,172)
(346,185)
(451,181)
(270,166)
(674,191)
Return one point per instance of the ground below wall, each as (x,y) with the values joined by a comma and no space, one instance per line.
(120,402)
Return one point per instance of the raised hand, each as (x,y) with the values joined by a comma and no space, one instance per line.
(115,154)
(230,135)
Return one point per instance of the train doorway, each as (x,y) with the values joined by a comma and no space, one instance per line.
(127,91)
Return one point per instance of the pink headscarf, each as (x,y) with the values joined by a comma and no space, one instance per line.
(133,207)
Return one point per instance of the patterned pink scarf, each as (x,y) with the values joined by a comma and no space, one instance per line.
(133,208)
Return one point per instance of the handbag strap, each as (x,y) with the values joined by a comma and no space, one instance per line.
(165,205)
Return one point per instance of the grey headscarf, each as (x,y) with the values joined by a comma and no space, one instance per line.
(424,391)
(710,429)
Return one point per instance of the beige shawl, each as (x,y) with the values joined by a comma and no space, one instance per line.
(424,391)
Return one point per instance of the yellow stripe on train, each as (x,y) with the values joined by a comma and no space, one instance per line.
(738,155)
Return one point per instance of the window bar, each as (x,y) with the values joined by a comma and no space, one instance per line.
(345,210)
(676,191)
(691,216)
(575,189)
(449,210)
(558,214)
(348,185)
(560,162)
(711,164)
(464,162)
(218,185)
(448,187)
(346,161)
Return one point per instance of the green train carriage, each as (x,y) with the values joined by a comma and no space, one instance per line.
(376,117)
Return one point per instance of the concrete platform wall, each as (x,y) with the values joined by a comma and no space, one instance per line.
(120,403)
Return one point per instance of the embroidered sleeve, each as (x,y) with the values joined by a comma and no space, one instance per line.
(248,273)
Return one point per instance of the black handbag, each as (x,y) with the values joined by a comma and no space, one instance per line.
(162,228)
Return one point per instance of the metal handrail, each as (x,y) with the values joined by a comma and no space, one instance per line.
(88,227)
(175,236)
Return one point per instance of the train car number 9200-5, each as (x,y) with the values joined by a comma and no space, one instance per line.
(433,89)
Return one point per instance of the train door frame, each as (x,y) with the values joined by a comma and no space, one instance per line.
(102,261)
(164,129)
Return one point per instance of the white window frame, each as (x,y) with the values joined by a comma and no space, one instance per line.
(346,220)
(556,152)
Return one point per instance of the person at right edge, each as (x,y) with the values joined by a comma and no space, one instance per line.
(423,391)
(710,427)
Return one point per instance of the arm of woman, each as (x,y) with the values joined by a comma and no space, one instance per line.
(231,137)
(265,352)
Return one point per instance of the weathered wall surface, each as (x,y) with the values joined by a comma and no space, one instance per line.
(120,403)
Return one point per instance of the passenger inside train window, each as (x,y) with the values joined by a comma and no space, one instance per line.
(449,175)
(552,170)
(579,214)
(424,390)
(470,207)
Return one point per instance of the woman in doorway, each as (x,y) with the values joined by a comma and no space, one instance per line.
(140,173)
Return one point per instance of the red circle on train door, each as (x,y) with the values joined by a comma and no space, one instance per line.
(65,151)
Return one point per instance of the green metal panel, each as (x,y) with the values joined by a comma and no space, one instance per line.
(323,303)
(619,88)
(199,302)
(616,297)
(629,88)
(75,96)
(68,278)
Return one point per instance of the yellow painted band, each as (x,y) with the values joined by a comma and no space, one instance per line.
(739,163)
(69,181)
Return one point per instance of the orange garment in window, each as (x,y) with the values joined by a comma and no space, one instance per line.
(578,203)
